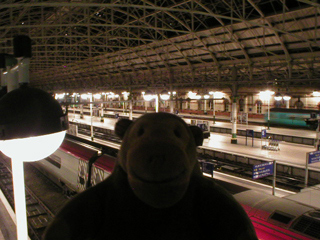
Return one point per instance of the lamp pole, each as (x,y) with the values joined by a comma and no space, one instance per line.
(25,133)
(19,199)
(157,102)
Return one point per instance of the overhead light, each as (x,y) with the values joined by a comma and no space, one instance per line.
(278,97)
(193,95)
(266,95)
(28,113)
(316,94)
(165,95)
(148,95)
(97,96)
(286,97)
(32,126)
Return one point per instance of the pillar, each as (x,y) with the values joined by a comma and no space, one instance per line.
(234,120)
(130,109)
(102,114)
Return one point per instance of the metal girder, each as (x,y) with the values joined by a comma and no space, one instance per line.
(190,43)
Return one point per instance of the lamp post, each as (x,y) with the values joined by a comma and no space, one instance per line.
(28,133)
(165,96)
(215,96)
(287,98)
(32,126)
(267,95)
(205,96)
(148,96)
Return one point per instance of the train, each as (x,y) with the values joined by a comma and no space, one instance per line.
(303,118)
(76,167)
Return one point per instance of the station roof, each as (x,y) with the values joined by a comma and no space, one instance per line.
(98,45)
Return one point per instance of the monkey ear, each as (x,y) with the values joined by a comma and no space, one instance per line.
(121,127)
(197,135)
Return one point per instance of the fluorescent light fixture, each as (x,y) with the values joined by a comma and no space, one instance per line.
(266,95)
(165,95)
(32,148)
(286,97)
(316,94)
(148,95)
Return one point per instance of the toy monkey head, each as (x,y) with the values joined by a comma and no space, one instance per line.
(158,153)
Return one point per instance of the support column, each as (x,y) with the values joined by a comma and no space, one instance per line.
(246,104)
(287,103)
(171,101)
(81,111)
(234,120)
(234,97)
(102,114)
(130,109)
(157,103)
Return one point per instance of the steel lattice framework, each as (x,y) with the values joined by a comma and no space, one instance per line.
(91,45)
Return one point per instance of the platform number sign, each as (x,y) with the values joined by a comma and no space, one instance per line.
(207,167)
(264,133)
(313,157)
(262,170)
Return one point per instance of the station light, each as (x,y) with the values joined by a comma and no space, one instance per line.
(85,96)
(125,95)
(32,126)
(286,97)
(193,95)
(165,95)
(316,94)
(97,96)
(266,95)
(278,97)
(59,95)
(148,95)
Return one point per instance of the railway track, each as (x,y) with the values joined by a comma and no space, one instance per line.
(39,213)
(284,180)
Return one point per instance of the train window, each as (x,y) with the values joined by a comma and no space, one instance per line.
(54,160)
(281,217)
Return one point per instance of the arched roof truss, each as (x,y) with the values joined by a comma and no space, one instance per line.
(133,44)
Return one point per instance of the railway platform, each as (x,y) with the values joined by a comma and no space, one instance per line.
(289,153)
(222,124)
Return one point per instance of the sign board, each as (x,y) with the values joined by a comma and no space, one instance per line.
(264,133)
(262,170)
(207,167)
(250,133)
(313,157)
